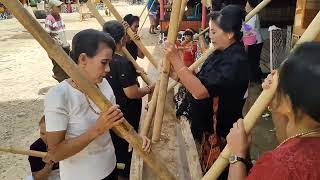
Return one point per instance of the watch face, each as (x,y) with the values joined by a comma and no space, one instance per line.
(232,159)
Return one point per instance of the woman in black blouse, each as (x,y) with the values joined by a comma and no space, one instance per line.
(133,22)
(123,80)
(225,75)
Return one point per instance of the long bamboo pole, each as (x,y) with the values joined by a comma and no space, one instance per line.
(172,36)
(124,130)
(260,105)
(257,9)
(201,60)
(144,8)
(151,109)
(139,43)
(145,19)
(101,21)
(183,7)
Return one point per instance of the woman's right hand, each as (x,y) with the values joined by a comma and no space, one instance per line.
(108,119)
(268,81)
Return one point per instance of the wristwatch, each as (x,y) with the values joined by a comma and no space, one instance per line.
(234,158)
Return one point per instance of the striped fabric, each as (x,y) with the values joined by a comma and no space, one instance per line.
(56,28)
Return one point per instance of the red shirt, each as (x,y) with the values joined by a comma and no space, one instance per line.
(297,159)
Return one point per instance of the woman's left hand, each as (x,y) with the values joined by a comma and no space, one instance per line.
(238,140)
(146,144)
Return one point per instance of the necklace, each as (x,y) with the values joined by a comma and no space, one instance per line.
(73,84)
(299,135)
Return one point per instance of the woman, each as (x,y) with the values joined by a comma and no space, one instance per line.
(133,22)
(123,80)
(297,101)
(225,74)
(77,132)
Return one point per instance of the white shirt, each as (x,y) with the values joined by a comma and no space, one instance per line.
(254,22)
(67,109)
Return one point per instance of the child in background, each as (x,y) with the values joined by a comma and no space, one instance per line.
(41,170)
(188,47)
(254,51)
(153,11)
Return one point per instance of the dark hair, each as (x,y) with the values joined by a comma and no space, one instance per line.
(115,29)
(253,3)
(299,79)
(229,19)
(87,41)
(188,32)
(130,19)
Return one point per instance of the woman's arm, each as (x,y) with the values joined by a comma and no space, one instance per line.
(44,173)
(60,148)
(140,54)
(237,171)
(134,92)
(187,78)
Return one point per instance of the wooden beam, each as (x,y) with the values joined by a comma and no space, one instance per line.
(95,12)
(143,49)
(172,36)
(124,130)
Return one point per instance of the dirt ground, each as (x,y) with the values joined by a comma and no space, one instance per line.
(25,77)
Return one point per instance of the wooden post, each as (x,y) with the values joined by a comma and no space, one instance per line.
(144,21)
(124,130)
(257,9)
(260,105)
(172,36)
(131,33)
(101,21)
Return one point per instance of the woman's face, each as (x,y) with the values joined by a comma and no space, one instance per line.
(97,67)
(135,26)
(219,39)
(56,10)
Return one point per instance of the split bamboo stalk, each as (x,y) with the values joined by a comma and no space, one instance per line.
(144,8)
(196,64)
(39,154)
(124,130)
(151,109)
(95,12)
(23,152)
(101,21)
(172,36)
(144,21)
(201,60)
(257,9)
(143,49)
(260,105)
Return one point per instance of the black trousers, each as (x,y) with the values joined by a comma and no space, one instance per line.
(254,53)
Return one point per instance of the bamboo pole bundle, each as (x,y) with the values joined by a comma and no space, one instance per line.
(144,8)
(172,36)
(101,21)
(257,9)
(260,105)
(201,60)
(144,21)
(143,49)
(124,130)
